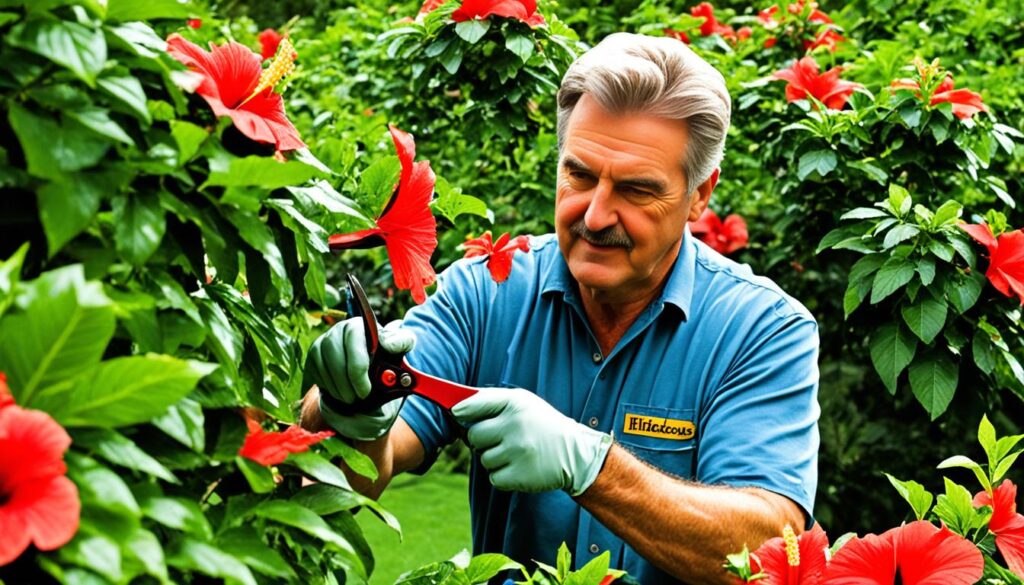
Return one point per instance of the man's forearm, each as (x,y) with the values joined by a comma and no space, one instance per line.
(686,529)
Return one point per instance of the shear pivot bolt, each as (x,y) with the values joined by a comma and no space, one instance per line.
(405,380)
(388,377)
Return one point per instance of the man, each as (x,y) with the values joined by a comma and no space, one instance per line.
(640,393)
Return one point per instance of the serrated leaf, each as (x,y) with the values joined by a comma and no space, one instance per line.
(925,318)
(816,161)
(963,294)
(893,275)
(933,377)
(899,234)
(892,348)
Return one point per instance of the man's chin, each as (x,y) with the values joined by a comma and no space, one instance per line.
(595,276)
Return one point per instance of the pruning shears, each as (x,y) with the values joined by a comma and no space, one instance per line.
(391,377)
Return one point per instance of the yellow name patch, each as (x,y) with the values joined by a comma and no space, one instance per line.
(663,428)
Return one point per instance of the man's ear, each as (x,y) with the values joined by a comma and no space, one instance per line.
(702,196)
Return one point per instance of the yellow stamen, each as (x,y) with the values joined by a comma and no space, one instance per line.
(281,66)
(792,546)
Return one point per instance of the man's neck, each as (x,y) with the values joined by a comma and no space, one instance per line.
(610,318)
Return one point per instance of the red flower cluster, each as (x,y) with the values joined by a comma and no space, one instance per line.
(725,237)
(274,447)
(1006,524)
(406,227)
(38,503)
(1005,258)
(499,254)
(827,37)
(805,79)
(269,41)
(521,10)
(913,554)
(235,84)
(711,26)
(965,102)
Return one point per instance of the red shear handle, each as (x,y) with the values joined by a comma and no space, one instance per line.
(446,394)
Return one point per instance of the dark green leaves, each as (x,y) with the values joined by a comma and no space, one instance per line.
(894,274)
(261,171)
(139,226)
(925,318)
(933,379)
(76,46)
(821,162)
(52,148)
(892,349)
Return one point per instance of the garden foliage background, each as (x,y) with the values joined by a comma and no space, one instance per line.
(164,274)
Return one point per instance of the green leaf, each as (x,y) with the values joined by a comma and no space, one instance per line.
(260,477)
(964,249)
(987,438)
(144,546)
(98,120)
(100,486)
(127,91)
(926,269)
(914,493)
(261,171)
(933,377)
(472,30)
(864,213)
(125,10)
(963,293)
(296,516)
(63,330)
(325,500)
(119,450)
(356,460)
(816,161)
(911,115)
(895,273)
(955,508)
(899,199)
(966,463)
(1003,467)
(245,544)
(179,514)
(519,44)
(925,318)
(984,354)
(209,560)
(68,204)
(10,276)
(319,469)
(875,173)
(78,47)
(95,552)
(122,391)
(261,238)
(899,234)
(139,226)
(377,183)
(592,572)
(892,349)
(189,138)
(184,422)
(454,204)
(946,213)
(941,250)
(51,148)
(486,566)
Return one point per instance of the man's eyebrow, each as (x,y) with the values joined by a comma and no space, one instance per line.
(573,164)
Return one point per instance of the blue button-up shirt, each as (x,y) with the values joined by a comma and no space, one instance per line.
(715,381)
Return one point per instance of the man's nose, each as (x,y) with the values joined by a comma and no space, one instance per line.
(601,213)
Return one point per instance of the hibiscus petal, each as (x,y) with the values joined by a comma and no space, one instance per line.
(49,509)
(32,447)
(405,147)
(981,233)
(735,231)
(773,561)
(5,392)
(932,556)
(863,561)
(410,231)
(813,544)
(481,246)
(16,538)
(708,222)
(1003,502)
(274,447)
(269,40)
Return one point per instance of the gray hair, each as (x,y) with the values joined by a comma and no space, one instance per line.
(658,76)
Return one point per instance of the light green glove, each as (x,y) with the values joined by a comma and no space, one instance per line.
(527,445)
(338,363)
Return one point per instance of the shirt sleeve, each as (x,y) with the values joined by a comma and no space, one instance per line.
(445,346)
(761,427)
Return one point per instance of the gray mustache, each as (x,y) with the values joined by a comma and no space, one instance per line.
(609,236)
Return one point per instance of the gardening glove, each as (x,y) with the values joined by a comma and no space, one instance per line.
(527,445)
(338,362)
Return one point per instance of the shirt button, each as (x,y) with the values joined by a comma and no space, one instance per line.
(593,421)
(594,549)
(597,357)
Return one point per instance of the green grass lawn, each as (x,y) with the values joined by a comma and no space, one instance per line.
(434,512)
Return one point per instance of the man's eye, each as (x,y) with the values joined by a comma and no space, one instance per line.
(630,190)
(579,175)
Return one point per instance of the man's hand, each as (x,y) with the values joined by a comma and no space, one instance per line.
(527,445)
(338,363)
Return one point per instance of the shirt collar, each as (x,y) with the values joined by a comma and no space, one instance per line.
(678,289)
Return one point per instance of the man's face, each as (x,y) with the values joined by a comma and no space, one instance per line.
(621,202)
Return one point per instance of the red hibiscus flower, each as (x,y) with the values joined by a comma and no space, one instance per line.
(919,553)
(1005,258)
(965,102)
(677,34)
(406,227)
(522,10)
(1006,524)
(273,447)
(723,237)
(767,16)
(499,253)
(430,6)
(236,85)
(5,392)
(744,33)
(194,22)
(792,560)
(269,40)
(805,79)
(827,38)
(38,503)
(711,26)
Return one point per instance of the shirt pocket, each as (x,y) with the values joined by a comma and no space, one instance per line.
(663,437)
